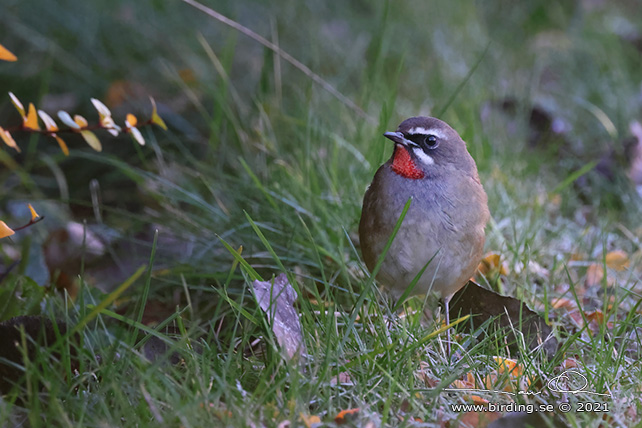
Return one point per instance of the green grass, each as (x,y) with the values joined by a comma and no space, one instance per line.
(260,156)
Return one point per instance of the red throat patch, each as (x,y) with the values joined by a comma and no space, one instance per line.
(403,164)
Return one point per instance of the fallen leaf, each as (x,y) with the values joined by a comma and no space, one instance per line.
(491,265)
(505,313)
(617,260)
(594,275)
(509,365)
(346,416)
(310,421)
(569,363)
(277,299)
(563,302)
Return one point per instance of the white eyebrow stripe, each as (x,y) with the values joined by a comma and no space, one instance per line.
(423,157)
(424,131)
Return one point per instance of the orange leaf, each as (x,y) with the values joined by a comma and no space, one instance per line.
(617,260)
(34,214)
(492,264)
(597,316)
(62,144)
(341,416)
(131,120)
(5,230)
(6,55)
(31,120)
(510,366)
(8,139)
(478,400)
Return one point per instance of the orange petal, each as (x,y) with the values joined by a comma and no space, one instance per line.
(131,120)
(62,144)
(5,230)
(31,121)
(8,139)
(80,121)
(34,214)
(6,55)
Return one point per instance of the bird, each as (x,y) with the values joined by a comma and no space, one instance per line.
(443,230)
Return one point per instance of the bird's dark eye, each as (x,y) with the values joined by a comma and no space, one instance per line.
(431,141)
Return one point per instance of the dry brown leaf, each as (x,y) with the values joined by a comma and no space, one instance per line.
(505,314)
(569,363)
(277,298)
(594,275)
(617,260)
(563,302)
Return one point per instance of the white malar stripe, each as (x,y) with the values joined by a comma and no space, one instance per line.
(423,131)
(422,156)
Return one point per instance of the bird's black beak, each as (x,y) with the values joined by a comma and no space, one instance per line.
(396,137)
